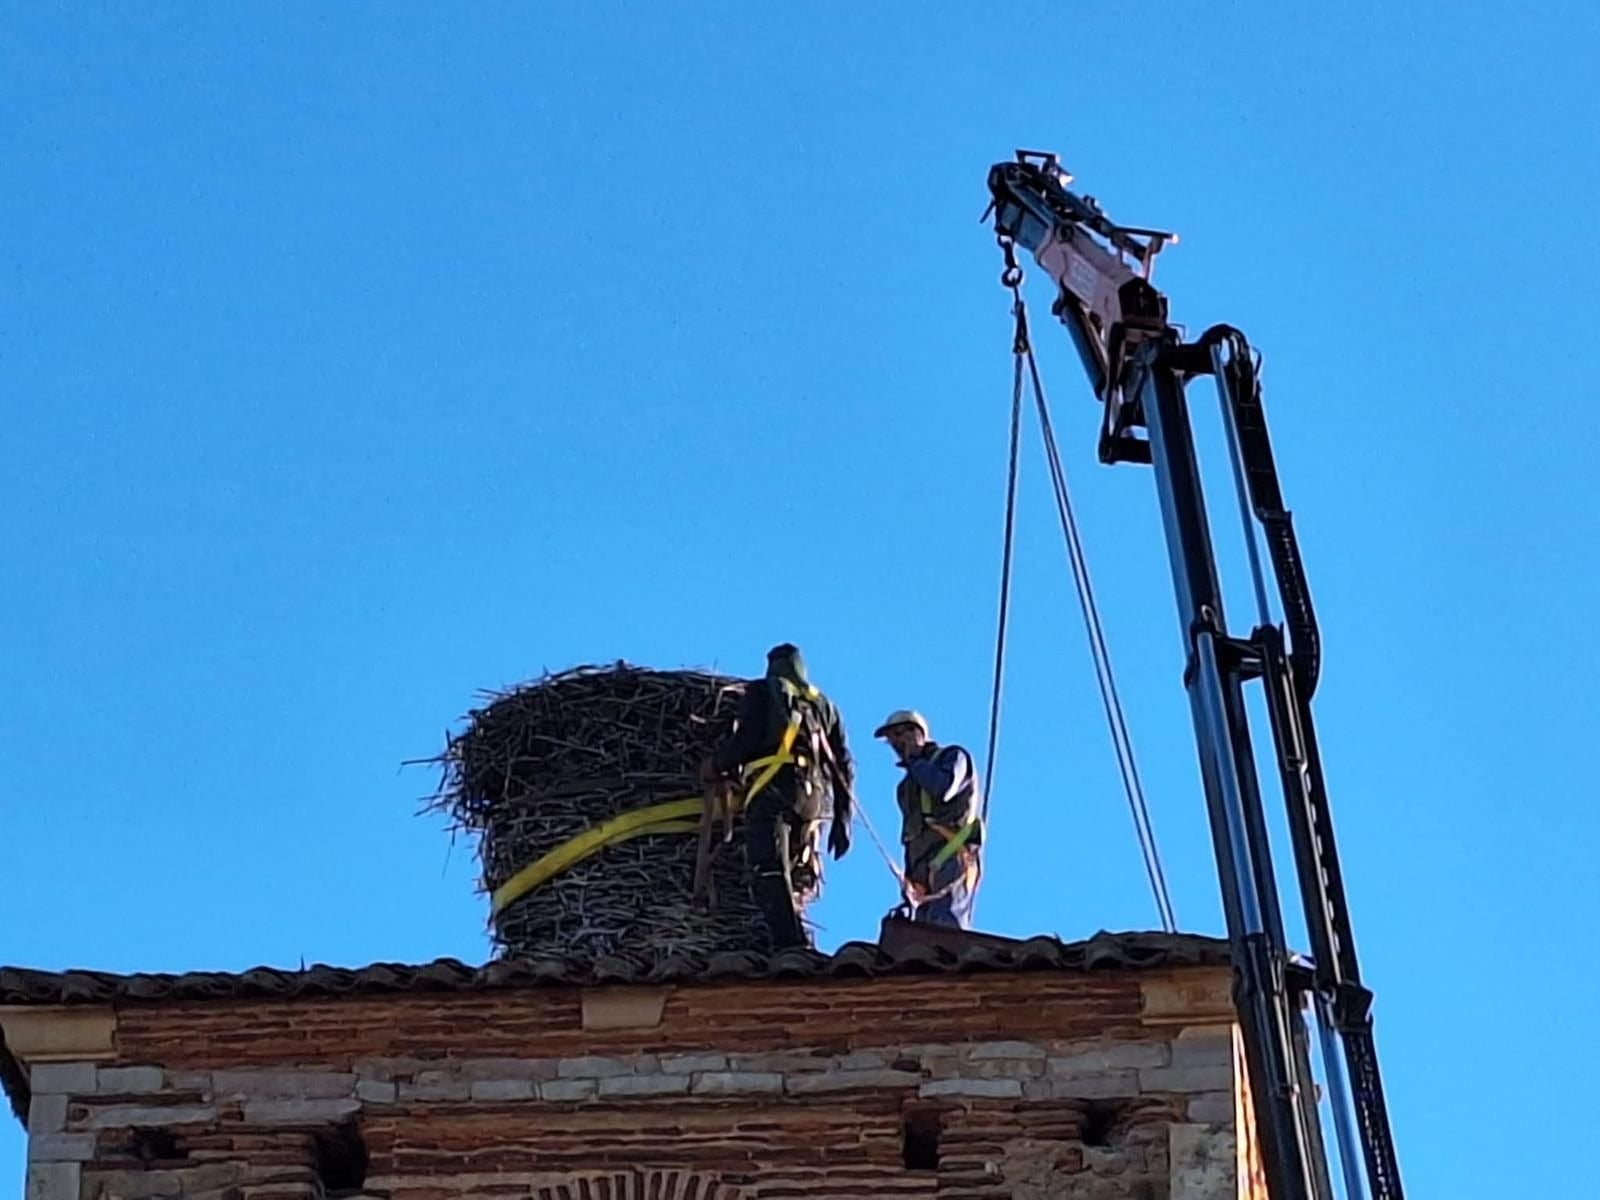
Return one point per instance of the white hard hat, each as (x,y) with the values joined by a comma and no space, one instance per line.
(903,716)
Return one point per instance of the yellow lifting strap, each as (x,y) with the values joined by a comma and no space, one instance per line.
(674,816)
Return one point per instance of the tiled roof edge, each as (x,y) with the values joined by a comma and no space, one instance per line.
(854,960)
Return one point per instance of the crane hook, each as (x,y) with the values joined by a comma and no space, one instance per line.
(1011,277)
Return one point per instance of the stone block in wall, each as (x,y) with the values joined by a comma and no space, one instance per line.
(476,1069)
(47,1113)
(1212,1108)
(1116,1056)
(1202,1162)
(129,1081)
(693,1064)
(61,1147)
(503,1089)
(737,1083)
(372,1091)
(206,1181)
(931,1051)
(390,1070)
(617,1086)
(809,1084)
(436,1085)
(1206,1046)
(1187,1079)
(990,1068)
(781,1062)
(559,1091)
(1015,1050)
(273,1112)
(122,1116)
(1097,1086)
(295,1085)
(993,1088)
(865,1060)
(597,1067)
(71,1078)
(53,1181)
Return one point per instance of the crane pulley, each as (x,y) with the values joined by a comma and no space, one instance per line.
(1139,365)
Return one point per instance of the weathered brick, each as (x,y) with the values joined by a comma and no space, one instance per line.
(839,1081)
(61,1147)
(593,1067)
(737,1083)
(1096,1086)
(971,1087)
(128,1081)
(503,1089)
(1212,1108)
(1019,1050)
(567,1090)
(53,1181)
(644,1085)
(74,1079)
(267,1112)
(1187,1079)
(118,1116)
(693,1064)
(47,1113)
(373,1091)
(296,1085)
(1118,1056)
(478,1069)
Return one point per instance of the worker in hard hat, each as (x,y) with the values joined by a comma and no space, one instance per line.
(940,825)
(788,750)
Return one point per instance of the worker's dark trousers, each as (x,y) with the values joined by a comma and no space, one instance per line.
(954,908)
(773,822)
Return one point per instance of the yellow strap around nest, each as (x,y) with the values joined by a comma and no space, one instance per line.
(671,817)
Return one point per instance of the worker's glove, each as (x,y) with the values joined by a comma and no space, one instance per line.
(839,838)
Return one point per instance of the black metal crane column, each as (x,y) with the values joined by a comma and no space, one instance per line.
(1266,997)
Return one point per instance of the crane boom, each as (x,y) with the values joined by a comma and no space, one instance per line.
(1139,365)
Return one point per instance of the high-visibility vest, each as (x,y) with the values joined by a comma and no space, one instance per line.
(921,834)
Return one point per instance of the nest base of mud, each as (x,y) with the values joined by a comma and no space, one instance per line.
(546,761)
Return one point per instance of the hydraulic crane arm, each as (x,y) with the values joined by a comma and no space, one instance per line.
(1139,366)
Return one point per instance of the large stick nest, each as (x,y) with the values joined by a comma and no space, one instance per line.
(547,760)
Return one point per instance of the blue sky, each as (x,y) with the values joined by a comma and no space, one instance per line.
(355,358)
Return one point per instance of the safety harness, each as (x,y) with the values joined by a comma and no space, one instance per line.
(762,771)
(955,842)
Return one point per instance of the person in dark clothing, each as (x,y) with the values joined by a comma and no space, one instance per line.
(789,750)
(940,824)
